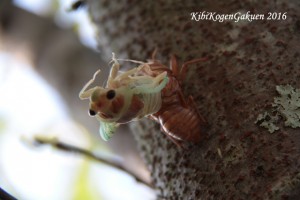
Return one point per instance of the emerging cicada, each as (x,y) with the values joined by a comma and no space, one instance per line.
(128,96)
(152,90)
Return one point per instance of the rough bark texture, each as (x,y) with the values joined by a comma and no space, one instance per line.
(238,159)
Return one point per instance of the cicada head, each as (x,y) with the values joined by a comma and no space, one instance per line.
(113,107)
(106,104)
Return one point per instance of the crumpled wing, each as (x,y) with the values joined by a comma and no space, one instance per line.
(107,130)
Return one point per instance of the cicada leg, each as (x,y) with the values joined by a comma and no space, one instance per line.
(147,69)
(174,66)
(174,140)
(114,78)
(84,93)
(184,67)
(154,54)
(156,85)
(129,73)
(193,104)
(113,71)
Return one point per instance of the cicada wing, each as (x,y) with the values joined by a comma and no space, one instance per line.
(107,130)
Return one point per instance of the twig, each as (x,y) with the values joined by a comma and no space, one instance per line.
(70,148)
(5,196)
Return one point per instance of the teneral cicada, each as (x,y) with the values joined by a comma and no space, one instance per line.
(152,90)
(128,96)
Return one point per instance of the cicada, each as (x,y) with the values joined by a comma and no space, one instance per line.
(150,90)
(128,96)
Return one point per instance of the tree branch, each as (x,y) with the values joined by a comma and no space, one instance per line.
(54,142)
(5,196)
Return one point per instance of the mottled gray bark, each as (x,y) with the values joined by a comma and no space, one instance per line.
(238,159)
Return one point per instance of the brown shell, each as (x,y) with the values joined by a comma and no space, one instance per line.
(178,117)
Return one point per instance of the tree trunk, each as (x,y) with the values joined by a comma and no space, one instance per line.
(247,60)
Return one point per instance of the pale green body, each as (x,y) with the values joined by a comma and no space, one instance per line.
(126,84)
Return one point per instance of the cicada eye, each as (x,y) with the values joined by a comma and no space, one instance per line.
(110,94)
(92,113)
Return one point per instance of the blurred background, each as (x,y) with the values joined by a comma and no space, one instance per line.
(47,54)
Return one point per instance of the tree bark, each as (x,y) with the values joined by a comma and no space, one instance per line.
(238,159)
